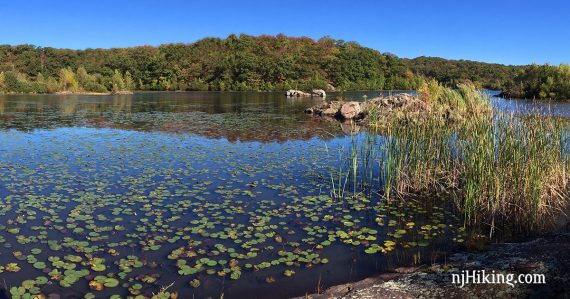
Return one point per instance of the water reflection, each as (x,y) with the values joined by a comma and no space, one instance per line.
(235,116)
(137,173)
(242,116)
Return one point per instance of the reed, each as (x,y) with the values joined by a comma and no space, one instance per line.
(499,169)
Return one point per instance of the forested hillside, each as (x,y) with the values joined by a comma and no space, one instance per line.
(234,63)
(451,72)
(262,63)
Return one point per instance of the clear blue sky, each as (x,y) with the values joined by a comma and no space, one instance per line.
(510,32)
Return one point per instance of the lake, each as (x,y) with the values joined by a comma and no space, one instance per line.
(207,193)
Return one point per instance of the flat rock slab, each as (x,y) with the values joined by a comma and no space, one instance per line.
(549,255)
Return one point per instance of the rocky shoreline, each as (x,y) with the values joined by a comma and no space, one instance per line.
(382,108)
(548,255)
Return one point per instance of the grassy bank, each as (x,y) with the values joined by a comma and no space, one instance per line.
(501,170)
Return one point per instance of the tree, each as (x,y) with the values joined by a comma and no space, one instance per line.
(68,80)
(2,82)
(117,81)
(52,85)
(83,78)
(129,82)
(262,63)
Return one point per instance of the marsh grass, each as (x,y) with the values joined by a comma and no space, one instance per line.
(499,169)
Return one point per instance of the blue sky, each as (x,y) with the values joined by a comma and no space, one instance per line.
(509,32)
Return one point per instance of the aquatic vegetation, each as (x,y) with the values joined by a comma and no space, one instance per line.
(288,273)
(133,210)
(499,169)
(162,208)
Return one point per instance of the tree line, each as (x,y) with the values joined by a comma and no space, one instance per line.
(541,82)
(452,72)
(240,63)
(527,81)
(66,80)
(234,63)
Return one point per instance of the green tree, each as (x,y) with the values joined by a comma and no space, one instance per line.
(117,81)
(52,85)
(2,82)
(83,78)
(129,82)
(264,63)
(17,82)
(68,80)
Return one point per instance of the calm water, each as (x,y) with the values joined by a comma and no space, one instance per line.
(230,190)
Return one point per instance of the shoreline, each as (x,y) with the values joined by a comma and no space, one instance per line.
(548,255)
(86,93)
(183,91)
(261,92)
(513,96)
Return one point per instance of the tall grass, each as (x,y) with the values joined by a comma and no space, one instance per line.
(499,169)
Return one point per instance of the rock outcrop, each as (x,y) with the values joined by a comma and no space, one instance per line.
(326,109)
(359,110)
(548,255)
(330,87)
(122,92)
(319,93)
(292,93)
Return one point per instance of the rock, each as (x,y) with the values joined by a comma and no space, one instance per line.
(350,110)
(330,87)
(526,266)
(406,270)
(386,107)
(64,92)
(544,255)
(331,111)
(319,93)
(292,93)
(325,109)
(122,92)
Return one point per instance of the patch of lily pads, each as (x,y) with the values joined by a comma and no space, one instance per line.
(111,211)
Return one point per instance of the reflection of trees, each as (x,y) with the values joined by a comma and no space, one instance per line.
(122,103)
(261,117)
(68,107)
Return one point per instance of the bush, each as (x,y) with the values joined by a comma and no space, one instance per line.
(2,82)
(198,85)
(95,87)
